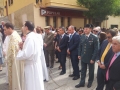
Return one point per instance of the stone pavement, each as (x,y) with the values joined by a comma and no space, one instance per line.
(3,85)
(63,82)
(56,82)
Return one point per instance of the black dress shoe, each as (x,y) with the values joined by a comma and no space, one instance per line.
(89,85)
(61,73)
(79,85)
(71,75)
(76,77)
(59,68)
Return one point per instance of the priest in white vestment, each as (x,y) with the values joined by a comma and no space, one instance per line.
(30,52)
(42,57)
(14,66)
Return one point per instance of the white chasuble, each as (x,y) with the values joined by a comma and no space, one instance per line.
(14,66)
(33,69)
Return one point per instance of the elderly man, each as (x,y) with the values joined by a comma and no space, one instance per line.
(49,46)
(97,31)
(104,53)
(112,69)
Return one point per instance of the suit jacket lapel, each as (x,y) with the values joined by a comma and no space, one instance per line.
(83,38)
(90,36)
(62,38)
(116,61)
(73,35)
(104,46)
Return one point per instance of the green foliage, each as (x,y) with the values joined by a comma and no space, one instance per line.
(100,9)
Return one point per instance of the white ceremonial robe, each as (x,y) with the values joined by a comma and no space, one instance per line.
(33,69)
(15,67)
(44,67)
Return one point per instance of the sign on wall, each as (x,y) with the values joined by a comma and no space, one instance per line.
(60,12)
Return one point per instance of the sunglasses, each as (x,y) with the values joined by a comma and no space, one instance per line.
(95,31)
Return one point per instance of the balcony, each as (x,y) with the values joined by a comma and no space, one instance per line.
(68,4)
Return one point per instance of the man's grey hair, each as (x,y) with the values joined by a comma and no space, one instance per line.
(72,27)
(116,38)
(98,28)
(116,29)
(2,22)
(63,28)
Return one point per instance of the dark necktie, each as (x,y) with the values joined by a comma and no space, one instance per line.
(70,37)
(60,39)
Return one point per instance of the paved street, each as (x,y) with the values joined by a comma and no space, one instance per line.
(56,81)
(3,85)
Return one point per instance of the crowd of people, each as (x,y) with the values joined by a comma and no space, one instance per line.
(28,55)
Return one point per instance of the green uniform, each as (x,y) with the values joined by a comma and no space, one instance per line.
(88,49)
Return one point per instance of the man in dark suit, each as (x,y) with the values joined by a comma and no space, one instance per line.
(49,46)
(104,53)
(62,48)
(2,30)
(72,51)
(87,52)
(112,69)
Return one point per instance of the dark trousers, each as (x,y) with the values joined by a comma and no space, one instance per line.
(75,62)
(100,79)
(109,85)
(63,62)
(83,72)
(59,58)
(51,54)
(57,53)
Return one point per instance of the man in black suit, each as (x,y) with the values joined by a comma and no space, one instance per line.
(73,52)
(87,52)
(104,53)
(112,69)
(2,30)
(62,48)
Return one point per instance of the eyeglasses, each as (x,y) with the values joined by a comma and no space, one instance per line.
(95,31)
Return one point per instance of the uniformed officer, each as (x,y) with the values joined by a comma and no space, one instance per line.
(88,49)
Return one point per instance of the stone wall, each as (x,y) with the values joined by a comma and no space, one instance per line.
(19,17)
(1,12)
